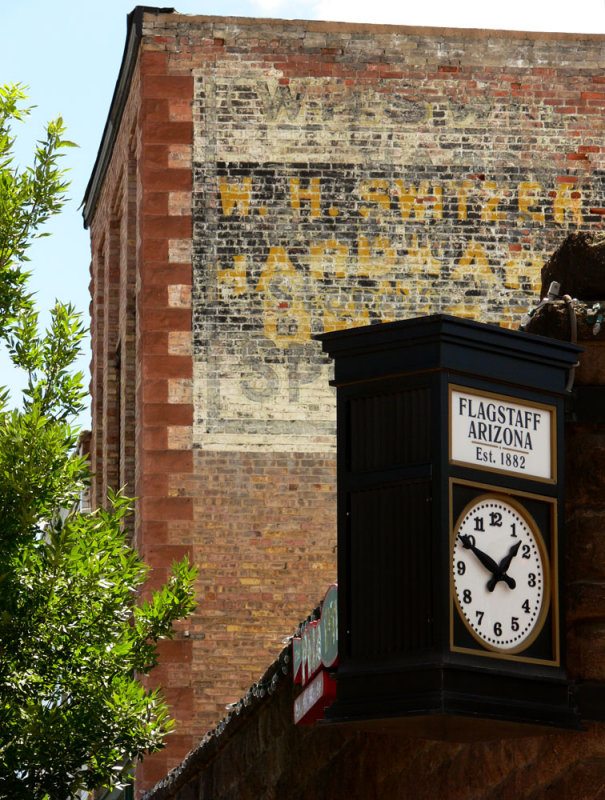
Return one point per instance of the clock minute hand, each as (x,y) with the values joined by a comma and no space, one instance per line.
(486,560)
(500,573)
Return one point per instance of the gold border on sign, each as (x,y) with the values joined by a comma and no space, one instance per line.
(516,401)
(550,600)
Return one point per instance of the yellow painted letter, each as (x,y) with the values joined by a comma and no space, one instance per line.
(236,194)
(331,253)
(489,212)
(528,197)
(567,202)
(233,279)
(286,319)
(377,192)
(312,194)
(475,255)
(377,261)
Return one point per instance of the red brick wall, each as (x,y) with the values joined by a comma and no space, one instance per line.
(270,180)
(139,308)
(264,533)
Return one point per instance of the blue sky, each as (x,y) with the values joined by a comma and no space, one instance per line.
(68,53)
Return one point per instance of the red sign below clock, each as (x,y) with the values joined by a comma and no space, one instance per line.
(311,703)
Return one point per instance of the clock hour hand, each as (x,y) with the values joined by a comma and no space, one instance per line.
(486,560)
(500,573)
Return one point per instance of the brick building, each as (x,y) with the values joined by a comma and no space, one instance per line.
(260,181)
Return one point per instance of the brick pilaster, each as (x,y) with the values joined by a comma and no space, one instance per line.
(163,376)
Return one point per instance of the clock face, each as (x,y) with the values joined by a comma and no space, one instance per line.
(500,573)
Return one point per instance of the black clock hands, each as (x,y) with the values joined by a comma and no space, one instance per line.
(501,575)
(498,570)
(486,560)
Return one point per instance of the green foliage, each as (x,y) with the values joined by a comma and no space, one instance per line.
(74,635)
(27,199)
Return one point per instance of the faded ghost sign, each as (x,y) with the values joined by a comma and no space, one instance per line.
(320,204)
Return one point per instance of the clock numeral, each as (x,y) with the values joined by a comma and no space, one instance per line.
(514,623)
(479,524)
(525,551)
(531,579)
(495,519)
(467,596)
(479,615)
(461,567)
(525,607)
(514,529)
(497,629)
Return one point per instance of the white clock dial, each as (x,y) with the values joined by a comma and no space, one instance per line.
(500,573)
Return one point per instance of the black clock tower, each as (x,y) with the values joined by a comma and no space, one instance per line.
(450,528)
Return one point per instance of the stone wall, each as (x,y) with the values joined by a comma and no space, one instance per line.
(260,753)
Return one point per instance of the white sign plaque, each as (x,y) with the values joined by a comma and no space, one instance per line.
(498,433)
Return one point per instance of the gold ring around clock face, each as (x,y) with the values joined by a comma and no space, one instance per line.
(500,573)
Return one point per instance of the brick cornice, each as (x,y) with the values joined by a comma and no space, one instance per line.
(134,23)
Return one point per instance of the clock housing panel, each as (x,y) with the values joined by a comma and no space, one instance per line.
(407,657)
(510,614)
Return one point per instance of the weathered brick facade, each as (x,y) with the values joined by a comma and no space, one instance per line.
(260,181)
(256,750)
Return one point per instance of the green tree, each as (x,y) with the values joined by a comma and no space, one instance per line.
(74,633)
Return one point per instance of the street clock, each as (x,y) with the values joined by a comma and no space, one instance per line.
(450,522)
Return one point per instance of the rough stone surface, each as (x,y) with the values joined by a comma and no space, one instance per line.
(556,319)
(261,754)
(578,265)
